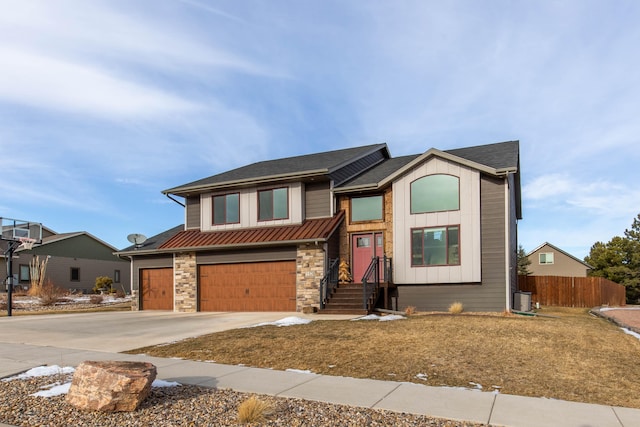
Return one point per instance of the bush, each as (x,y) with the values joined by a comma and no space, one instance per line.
(410,310)
(456,308)
(103,284)
(253,410)
(50,294)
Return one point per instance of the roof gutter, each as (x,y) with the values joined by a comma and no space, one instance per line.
(254,181)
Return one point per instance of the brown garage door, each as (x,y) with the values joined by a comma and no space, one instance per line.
(259,286)
(156,288)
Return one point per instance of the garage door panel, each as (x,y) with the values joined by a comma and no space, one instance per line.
(156,288)
(261,286)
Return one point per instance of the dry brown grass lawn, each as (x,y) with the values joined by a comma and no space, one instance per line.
(575,356)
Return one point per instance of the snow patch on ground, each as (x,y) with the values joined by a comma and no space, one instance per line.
(287,321)
(53,391)
(422,377)
(618,308)
(387,318)
(42,371)
(163,383)
(630,332)
(300,371)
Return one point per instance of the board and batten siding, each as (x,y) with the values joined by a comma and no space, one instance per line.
(249,208)
(489,294)
(192,212)
(467,217)
(317,198)
(140,262)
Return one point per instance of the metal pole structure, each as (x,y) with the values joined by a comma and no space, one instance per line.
(9,254)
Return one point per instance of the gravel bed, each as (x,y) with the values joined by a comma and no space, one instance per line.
(188,405)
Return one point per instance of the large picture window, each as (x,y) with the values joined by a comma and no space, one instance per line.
(226,209)
(273,204)
(435,246)
(366,208)
(435,193)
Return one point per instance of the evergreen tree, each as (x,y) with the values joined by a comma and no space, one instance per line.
(619,261)
(523,262)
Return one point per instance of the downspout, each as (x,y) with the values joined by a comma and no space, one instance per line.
(507,241)
(177,201)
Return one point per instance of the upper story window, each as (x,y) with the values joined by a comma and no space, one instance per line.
(435,193)
(546,258)
(435,246)
(273,204)
(366,208)
(226,209)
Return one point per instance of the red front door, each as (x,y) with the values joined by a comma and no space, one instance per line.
(364,248)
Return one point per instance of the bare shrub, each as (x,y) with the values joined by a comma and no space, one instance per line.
(50,294)
(96,299)
(410,310)
(120,293)
(253,410)
(456,308)
(37,270)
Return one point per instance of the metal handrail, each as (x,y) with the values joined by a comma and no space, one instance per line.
(329,282)
(373,277)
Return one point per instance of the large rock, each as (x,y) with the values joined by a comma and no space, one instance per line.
(111,385)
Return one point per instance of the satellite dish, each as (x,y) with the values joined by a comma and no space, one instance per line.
(137,239)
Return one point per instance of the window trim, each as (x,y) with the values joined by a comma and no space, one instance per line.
(412,212)
(381,219)
(20,277)
(545,255)
(71,279)
(273,218)
(116,276)
(446,228)
(213,209)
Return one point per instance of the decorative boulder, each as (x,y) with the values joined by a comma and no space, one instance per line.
(111,386)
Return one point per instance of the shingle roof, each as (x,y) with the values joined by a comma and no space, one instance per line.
(313,229)
(323,162)
(379,172)
(501,155)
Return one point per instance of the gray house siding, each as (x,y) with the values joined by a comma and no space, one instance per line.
(192,209)
(150,261)
(81,246)
(59,271)
(490,295)
(236,256)
(317,200)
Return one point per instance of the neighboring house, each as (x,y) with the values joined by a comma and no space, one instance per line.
(75,260)
(549,260)
(266,237)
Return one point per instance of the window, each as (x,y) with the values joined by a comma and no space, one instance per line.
(273,204)
(75,274)
(366,208)
(116,276)
(24,273)
(435,246)
(435,193)
(226,209)
(546,258)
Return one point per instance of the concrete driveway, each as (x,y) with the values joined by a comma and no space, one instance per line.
(124,330)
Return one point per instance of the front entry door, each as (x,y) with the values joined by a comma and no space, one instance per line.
(364,248)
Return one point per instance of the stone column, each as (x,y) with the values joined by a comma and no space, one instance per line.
(186,283)
(310,264)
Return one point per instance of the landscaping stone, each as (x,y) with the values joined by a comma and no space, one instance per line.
(111,386)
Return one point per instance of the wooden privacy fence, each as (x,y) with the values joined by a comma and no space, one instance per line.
(572,291)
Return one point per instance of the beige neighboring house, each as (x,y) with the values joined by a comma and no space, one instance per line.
(74,261)
(549,260)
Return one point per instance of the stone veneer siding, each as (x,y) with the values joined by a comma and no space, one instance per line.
(310,264)
(186,284)
(347,228)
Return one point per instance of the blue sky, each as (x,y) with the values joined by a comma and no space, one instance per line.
(104,104)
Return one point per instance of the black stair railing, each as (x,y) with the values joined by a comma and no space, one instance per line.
(329,282)
(379,271)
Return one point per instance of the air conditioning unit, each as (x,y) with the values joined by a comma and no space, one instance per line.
(522,301)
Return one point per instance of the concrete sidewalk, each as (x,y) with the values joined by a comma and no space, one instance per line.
(457,404)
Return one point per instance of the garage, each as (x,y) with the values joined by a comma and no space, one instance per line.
(254,286)
(156,288)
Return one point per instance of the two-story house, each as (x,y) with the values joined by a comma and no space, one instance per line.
(428,230)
